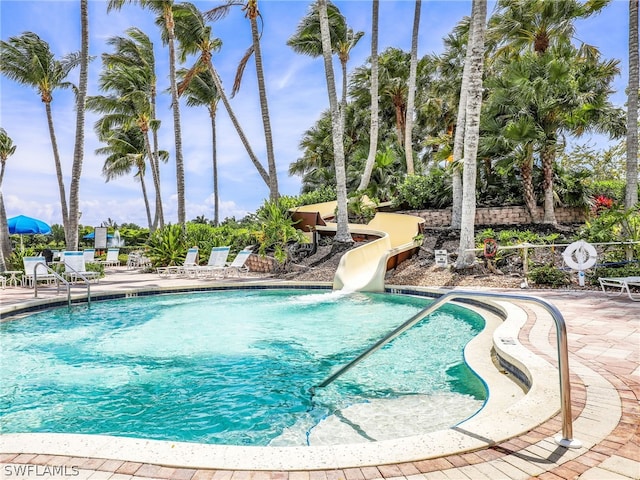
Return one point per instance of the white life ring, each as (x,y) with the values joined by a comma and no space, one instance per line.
(580,255)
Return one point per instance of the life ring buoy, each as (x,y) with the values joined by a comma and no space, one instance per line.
(580,255)
(490,248)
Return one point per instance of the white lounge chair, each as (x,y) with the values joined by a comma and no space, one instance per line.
(89,255)
(112,259)
(239,263)
(191,260)
(217,262)
(75,268)
(36,267)
(622,284)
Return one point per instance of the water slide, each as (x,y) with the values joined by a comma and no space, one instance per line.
(363,268)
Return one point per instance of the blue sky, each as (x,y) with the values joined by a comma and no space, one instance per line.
(295,86)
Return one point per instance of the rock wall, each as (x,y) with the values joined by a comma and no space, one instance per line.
(500,216)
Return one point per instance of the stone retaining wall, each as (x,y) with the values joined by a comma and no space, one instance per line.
(500,216)
(256,263)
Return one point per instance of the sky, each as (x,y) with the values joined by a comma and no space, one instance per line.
(295,85)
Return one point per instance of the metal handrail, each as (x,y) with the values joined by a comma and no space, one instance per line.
(566,440)
(60,278)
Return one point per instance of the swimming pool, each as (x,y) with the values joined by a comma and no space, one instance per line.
(235,367)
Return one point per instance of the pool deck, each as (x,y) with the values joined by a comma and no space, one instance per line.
(604,346)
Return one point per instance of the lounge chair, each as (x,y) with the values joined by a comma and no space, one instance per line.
(89,255)
(217,262)
(75,267)
(112,259)
(621,283)
(191,260)
(36,267)
(239,263)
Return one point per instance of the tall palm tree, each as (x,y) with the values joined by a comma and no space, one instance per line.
(195,37)
(134,53)
(164,10)
(342,232)
(250,8)
(7,148)
(375,121)
(411,93)
(475,58)
(28,60)
(631,196)
(201,91)
(78,152)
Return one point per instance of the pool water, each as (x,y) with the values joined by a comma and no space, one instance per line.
(230,367)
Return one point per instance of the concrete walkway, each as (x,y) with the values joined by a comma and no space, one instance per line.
(604,344)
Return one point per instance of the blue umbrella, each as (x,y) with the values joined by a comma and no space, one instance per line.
(23,225)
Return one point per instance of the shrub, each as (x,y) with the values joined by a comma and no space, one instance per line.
(167,246)
(549,275)
(425,191)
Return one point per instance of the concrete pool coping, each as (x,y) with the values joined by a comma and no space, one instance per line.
(501,419)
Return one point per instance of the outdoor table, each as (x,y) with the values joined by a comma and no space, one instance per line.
(13,279)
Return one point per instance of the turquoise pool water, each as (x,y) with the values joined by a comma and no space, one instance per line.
(226,367)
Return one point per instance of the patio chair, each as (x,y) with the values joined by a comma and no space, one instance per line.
(74,267)
(89,255)
(190,260)
(621,283)
(217,262)
(36,267)
(239,263)
(112,259)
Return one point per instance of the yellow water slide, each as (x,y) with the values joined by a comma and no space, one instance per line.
(363,268)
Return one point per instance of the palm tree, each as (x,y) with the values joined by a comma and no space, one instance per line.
(28,60)
(134,57)
(375,121)
(631,196)
(126,150)
(342,232)
(250,8)
(411,94)
(306,40)
(78,152)
(195,37)
(201,91)
(164,10)
(475,59)
(7,148)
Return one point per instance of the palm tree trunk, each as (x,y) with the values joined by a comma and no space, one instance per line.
(5,240)
(411,95)
(214,156)
(264,107)
(154,162)
(526,170)
(177,129)
(631,195)
(458,143)
(145,196)
(155,175)
(342,231)
(375,121)
(548,159)
(78,153)
(466,258)
(225,101)
(61,189)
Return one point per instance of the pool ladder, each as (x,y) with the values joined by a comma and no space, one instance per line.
(566,440)
(59,279)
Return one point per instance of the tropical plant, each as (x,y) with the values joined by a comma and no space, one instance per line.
(250,7)
(276,230)
(615,224)
(28,60)
(167,246)
(549,275)
(432,190)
